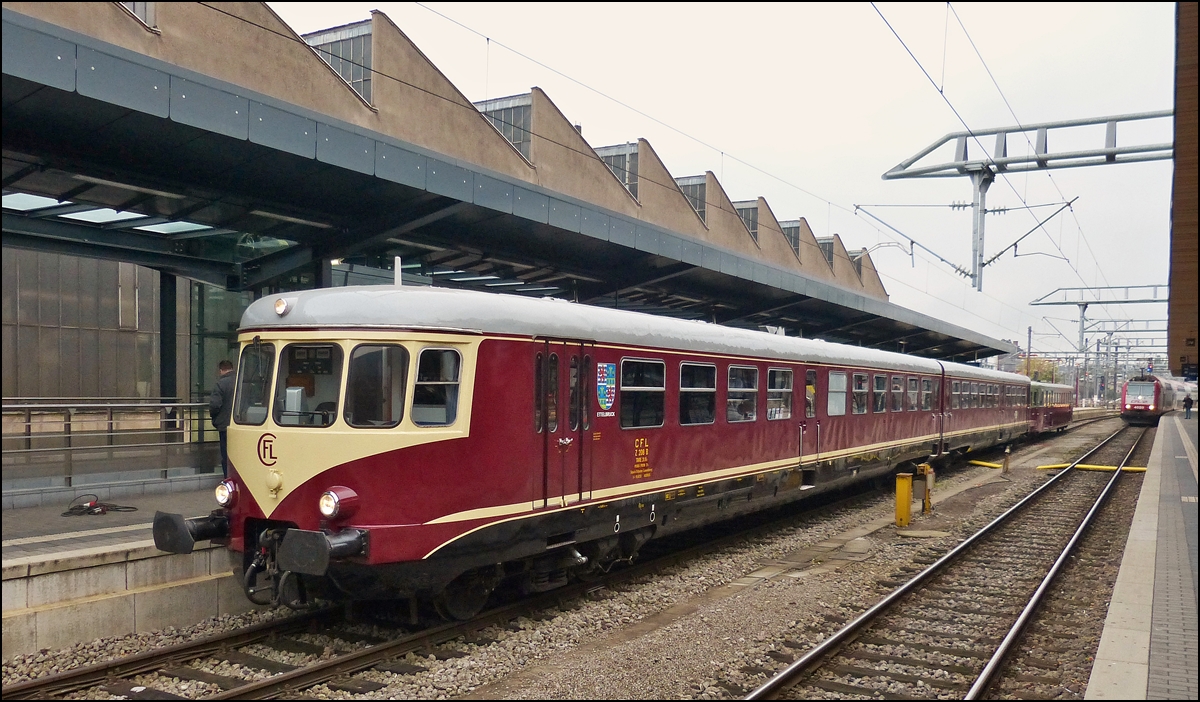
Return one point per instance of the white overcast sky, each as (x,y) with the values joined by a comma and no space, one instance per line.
(826,99)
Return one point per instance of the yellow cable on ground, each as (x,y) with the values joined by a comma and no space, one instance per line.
(985,464)
(1053,466)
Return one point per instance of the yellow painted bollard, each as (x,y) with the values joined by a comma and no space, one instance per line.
(926,470)
(903,499)
(1007,451)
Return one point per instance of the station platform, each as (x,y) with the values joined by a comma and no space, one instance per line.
(1149,646)
(76,578)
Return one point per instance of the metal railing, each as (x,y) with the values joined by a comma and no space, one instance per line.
(64,438)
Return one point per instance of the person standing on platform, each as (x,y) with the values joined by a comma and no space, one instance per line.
(220,408)
(1187,406)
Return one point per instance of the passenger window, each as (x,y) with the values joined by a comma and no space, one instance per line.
(375,386)
(836,404)
(860,393)
(435,395)
(937,396)
(897,393)
(926,394)
(779,394)
(643,384)
(879,394)
(810,393)
(955,388)
(974,395)
(308,385)
(741,404)
(697,394)
(913,384)
(254,383)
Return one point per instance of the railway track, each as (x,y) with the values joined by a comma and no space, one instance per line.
(935,636)
(337,667)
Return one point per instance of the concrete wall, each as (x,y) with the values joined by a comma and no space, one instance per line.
(54,602)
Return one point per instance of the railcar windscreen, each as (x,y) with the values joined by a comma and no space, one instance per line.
(307,385)
(1139,392)
(697,394)
(375,386)
(435,395)
(254,383)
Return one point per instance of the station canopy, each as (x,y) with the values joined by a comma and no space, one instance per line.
(124,156)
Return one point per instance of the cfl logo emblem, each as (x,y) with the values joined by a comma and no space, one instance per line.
(266,450)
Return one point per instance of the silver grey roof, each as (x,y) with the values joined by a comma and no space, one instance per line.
(413,307)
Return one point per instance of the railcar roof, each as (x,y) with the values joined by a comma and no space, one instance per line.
(413,307)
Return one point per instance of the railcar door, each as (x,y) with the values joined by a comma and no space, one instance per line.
(564,369)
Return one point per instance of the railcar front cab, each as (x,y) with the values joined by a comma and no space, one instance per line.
(309,386)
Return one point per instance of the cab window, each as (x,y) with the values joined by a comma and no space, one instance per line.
(435,395)
(254,383)
(375,386)
(307,385)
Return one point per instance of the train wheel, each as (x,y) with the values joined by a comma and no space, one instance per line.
(464,597)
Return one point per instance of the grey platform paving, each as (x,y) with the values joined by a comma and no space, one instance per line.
(1149,646)
(34,531)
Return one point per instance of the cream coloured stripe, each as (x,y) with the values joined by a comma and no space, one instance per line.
(65,536)
(687,481)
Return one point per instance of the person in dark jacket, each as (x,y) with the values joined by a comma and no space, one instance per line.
(220,408)
(1187,406)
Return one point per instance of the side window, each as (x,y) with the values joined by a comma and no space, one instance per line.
(810,393)
(879,394)
(539,398)
(308,384)
(779,394)
(589,372)
(697,393)
(955,388)
(573,393)
(937,393)
(375,386)
(974,395)
(926,394)
(643,385)
(897,393)
(435,396)
(550,392)
(741,404)
(254,383)
(836,405)
(860,393)
(913,385)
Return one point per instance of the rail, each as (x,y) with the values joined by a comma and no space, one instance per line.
(811,660)
(63,440)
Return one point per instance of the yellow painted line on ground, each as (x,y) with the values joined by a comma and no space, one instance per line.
(985,464)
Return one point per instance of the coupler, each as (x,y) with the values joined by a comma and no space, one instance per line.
(175,534)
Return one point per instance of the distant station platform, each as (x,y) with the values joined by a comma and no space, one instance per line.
(1149,646)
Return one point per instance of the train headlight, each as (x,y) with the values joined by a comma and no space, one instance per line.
(226,493)
(281,307)
(1151,408)
(329,505)
(1128,406)
(337,502)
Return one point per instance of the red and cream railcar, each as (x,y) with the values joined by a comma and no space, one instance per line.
(428,443)
(1146,398)
(1051,407)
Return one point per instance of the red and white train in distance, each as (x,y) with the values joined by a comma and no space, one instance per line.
(1145,399)
(427,443)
